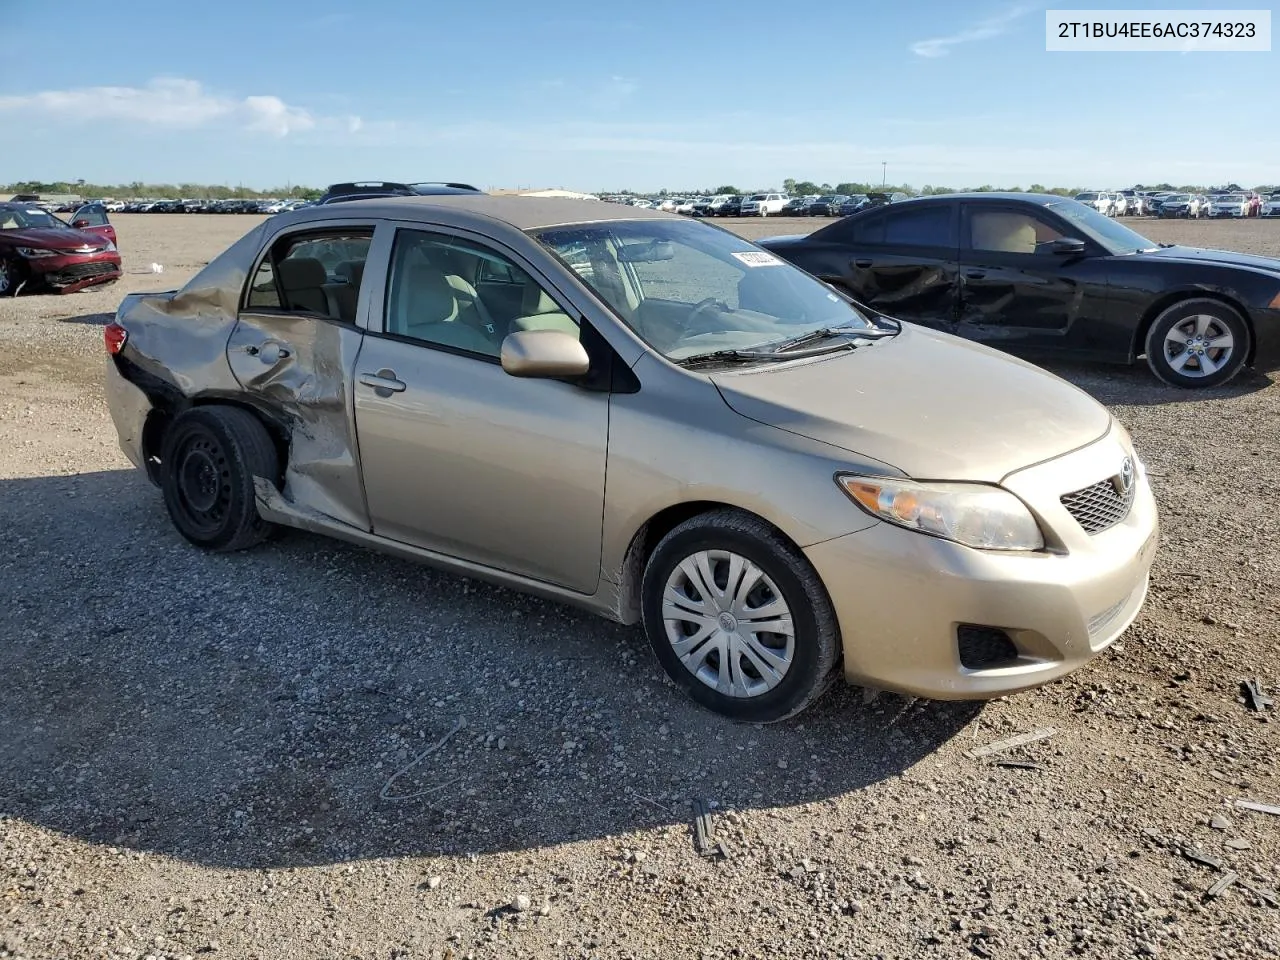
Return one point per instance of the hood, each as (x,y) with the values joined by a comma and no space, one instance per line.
(1197,255)
(54,238)
(932,405)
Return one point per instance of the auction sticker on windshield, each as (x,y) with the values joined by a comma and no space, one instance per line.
(1180,31)
(757,258)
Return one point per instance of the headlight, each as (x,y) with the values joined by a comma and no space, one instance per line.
(34,253)
(976,515)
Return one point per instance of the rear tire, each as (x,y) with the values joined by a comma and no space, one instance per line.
(1177,336)
(711,589)
(211,455)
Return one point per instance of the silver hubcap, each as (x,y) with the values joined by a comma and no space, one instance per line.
(6,277)
(728,623)
(1198,346)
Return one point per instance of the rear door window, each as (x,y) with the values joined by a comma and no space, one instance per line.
(932,226)
(319,274)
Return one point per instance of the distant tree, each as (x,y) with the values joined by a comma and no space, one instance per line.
(789,185)
(727,190)
(804,187)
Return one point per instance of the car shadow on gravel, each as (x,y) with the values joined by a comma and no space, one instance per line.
(1136,386)
(254,709)
(90,319)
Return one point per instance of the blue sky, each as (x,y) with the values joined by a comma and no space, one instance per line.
(608,96)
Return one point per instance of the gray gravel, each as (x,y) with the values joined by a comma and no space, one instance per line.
(198,751)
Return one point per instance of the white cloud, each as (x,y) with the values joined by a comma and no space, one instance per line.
(273,115)
(175,102)
(982,30)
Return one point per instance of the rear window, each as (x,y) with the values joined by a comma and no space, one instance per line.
(924,227)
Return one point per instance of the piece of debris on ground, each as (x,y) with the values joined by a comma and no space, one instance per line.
(1021,740)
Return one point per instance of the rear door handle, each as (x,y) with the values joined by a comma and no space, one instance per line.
(384,382)
(863,262)
(975,274)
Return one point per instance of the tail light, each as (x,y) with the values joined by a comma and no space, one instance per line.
(115,335)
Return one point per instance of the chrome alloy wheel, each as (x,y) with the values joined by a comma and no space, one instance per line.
(1198,346)
(728,623)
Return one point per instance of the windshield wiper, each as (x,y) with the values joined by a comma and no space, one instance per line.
(726,356)
(826,333)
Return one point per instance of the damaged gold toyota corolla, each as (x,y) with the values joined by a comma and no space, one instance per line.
(654,419)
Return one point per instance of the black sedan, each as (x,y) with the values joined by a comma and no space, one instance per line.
(1046,276)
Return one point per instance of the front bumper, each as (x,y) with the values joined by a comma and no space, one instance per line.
(129,409)
(900,597)
(72,272)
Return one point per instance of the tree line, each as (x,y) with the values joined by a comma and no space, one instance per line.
(137,189)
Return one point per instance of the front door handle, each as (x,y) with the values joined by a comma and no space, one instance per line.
(862,262)
(975,274)
(384,382)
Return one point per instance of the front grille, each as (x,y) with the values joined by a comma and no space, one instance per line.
(82,271)
(1100,506)
(982,648)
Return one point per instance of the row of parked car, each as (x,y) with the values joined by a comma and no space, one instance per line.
(765,204)
(170,206)
(1162,203)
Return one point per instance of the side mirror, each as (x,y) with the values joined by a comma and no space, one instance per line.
(1068,247)
(546,354)
(80,224)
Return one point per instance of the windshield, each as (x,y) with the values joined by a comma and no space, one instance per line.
(1086,196)
(1115,237)
(26,218)
(687,288)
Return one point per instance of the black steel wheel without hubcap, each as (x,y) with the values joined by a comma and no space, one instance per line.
(207,469)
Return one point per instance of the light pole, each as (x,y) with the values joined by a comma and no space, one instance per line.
(884,172)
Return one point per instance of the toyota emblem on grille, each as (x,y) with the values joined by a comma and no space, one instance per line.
(1126,475)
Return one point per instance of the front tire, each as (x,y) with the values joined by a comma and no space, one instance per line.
(1197,343)
(11,276)
(211,455)
(738,618)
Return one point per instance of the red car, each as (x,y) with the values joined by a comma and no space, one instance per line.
(38,250)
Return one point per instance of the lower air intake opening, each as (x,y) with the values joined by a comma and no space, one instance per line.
(982,648)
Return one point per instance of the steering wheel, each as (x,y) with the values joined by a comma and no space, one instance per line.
(700,308)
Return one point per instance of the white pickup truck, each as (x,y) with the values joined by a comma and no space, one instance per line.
(764,204)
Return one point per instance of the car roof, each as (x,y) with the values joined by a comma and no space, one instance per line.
(523,213)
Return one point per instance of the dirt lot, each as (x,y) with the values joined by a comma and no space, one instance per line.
(196,751)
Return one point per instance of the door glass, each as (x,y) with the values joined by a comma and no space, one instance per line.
(313,274)
(453,293)
(921,227)
(1007,231)
(94,213)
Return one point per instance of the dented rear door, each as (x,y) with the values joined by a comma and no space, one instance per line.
(294,353)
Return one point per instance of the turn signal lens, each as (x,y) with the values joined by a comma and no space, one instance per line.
(1275,302)
(977,515)
(114,335)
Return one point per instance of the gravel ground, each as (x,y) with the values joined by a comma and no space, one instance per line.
(198,751)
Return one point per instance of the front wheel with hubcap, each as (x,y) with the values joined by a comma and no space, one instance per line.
(738,618)
(1197,343)
(211,455)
